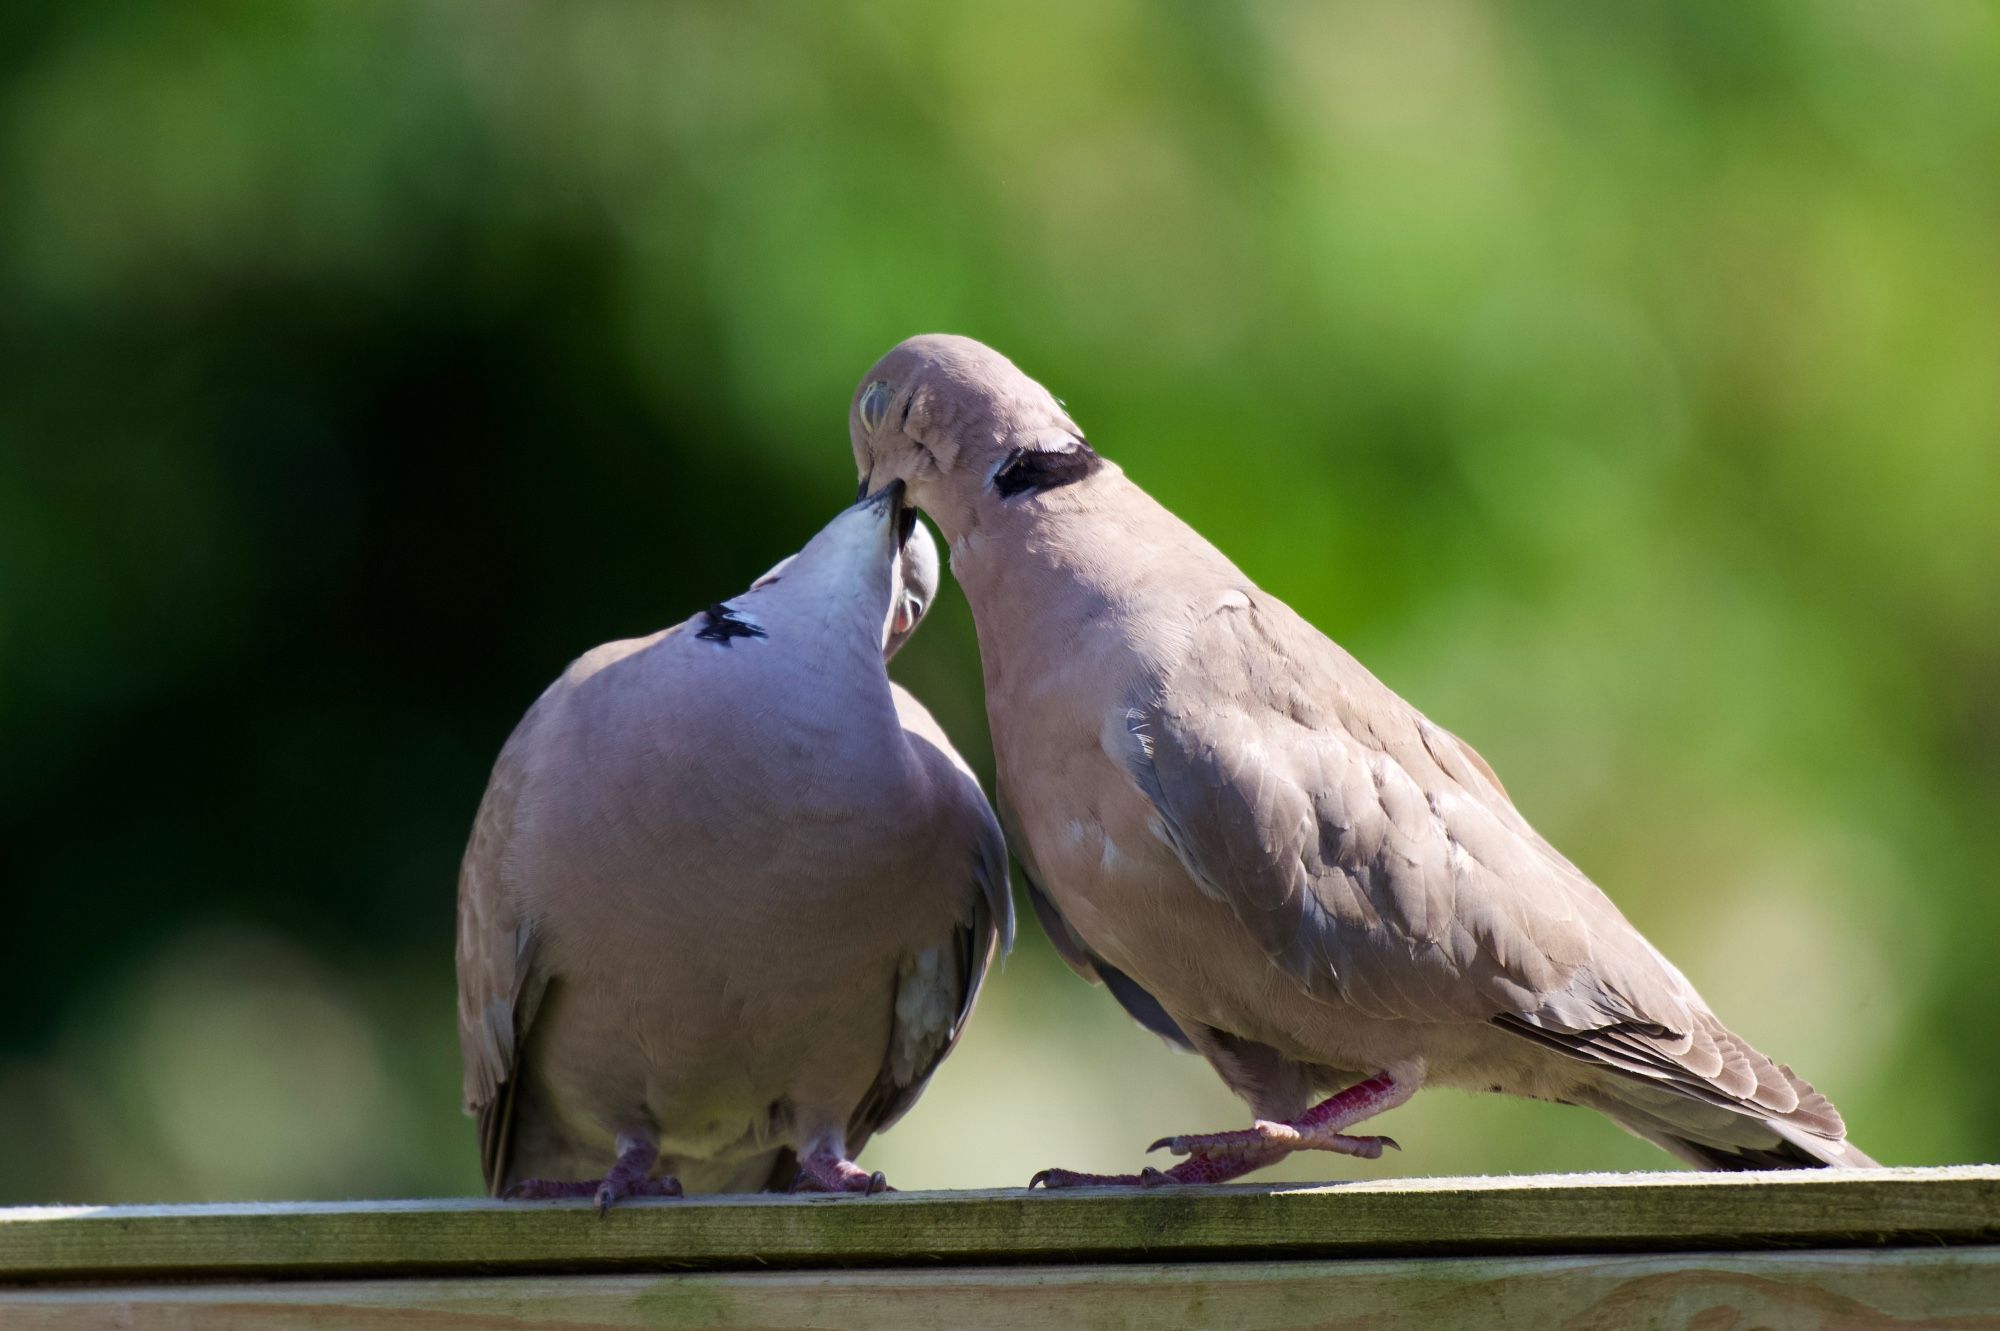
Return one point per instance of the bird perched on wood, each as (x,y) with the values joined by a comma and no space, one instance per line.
(730,894)
(1267,856)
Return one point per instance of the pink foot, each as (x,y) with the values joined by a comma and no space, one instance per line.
(1217,1157)
(1281,1135)
(631,1176)
(826,1168)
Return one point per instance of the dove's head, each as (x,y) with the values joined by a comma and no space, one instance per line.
(954,421)
(874,555)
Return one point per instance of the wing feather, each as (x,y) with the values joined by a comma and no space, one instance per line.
(935,993)
(499,987)
(1378,862)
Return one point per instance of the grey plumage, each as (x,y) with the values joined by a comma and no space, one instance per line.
(1262,850)
(730,893)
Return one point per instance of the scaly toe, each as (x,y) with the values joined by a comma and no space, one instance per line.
(844,1177)
(609,1192)
(1259,1138)
(1053,1179)
(1361,1148)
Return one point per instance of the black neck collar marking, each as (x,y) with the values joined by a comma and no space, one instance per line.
(1032,470)
(723,625)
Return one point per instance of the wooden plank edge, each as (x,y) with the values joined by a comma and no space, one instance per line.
(1576,1214)
(1955,1288)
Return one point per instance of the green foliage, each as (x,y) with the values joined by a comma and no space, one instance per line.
(1618,382)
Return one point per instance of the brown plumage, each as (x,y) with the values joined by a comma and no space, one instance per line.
(1269,856)
(730,895)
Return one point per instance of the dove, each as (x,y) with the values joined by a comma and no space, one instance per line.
(730,894)
(1268,857)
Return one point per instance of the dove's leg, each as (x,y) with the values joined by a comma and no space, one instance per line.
(824,1167)
(1218,1157)
(1318,1129)
(630,1176)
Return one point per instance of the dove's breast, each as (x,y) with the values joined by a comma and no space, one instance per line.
(722,920)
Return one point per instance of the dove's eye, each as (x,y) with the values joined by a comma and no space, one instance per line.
(875,405)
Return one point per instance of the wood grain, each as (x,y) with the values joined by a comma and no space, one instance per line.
(1906,1288)
(1917,1208)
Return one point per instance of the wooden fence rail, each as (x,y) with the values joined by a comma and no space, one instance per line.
(1902,1247)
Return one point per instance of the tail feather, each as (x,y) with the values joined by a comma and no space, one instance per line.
(1714,1136)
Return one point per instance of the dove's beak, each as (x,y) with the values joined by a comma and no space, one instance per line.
(889,500)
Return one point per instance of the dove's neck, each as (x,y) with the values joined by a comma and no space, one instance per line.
(815,662)
(1046,574)
(1102,537)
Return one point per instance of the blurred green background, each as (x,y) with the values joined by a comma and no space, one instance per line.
(1622,383)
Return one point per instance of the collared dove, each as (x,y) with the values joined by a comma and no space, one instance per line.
(1267,856)
(730,894)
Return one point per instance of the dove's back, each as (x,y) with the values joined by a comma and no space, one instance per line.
(1282,851)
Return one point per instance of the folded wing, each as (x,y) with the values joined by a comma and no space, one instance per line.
(1377,861)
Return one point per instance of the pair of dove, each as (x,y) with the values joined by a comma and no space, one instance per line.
(731,893)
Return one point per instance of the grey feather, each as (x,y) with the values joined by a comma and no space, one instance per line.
(732,893)
(1307,878)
